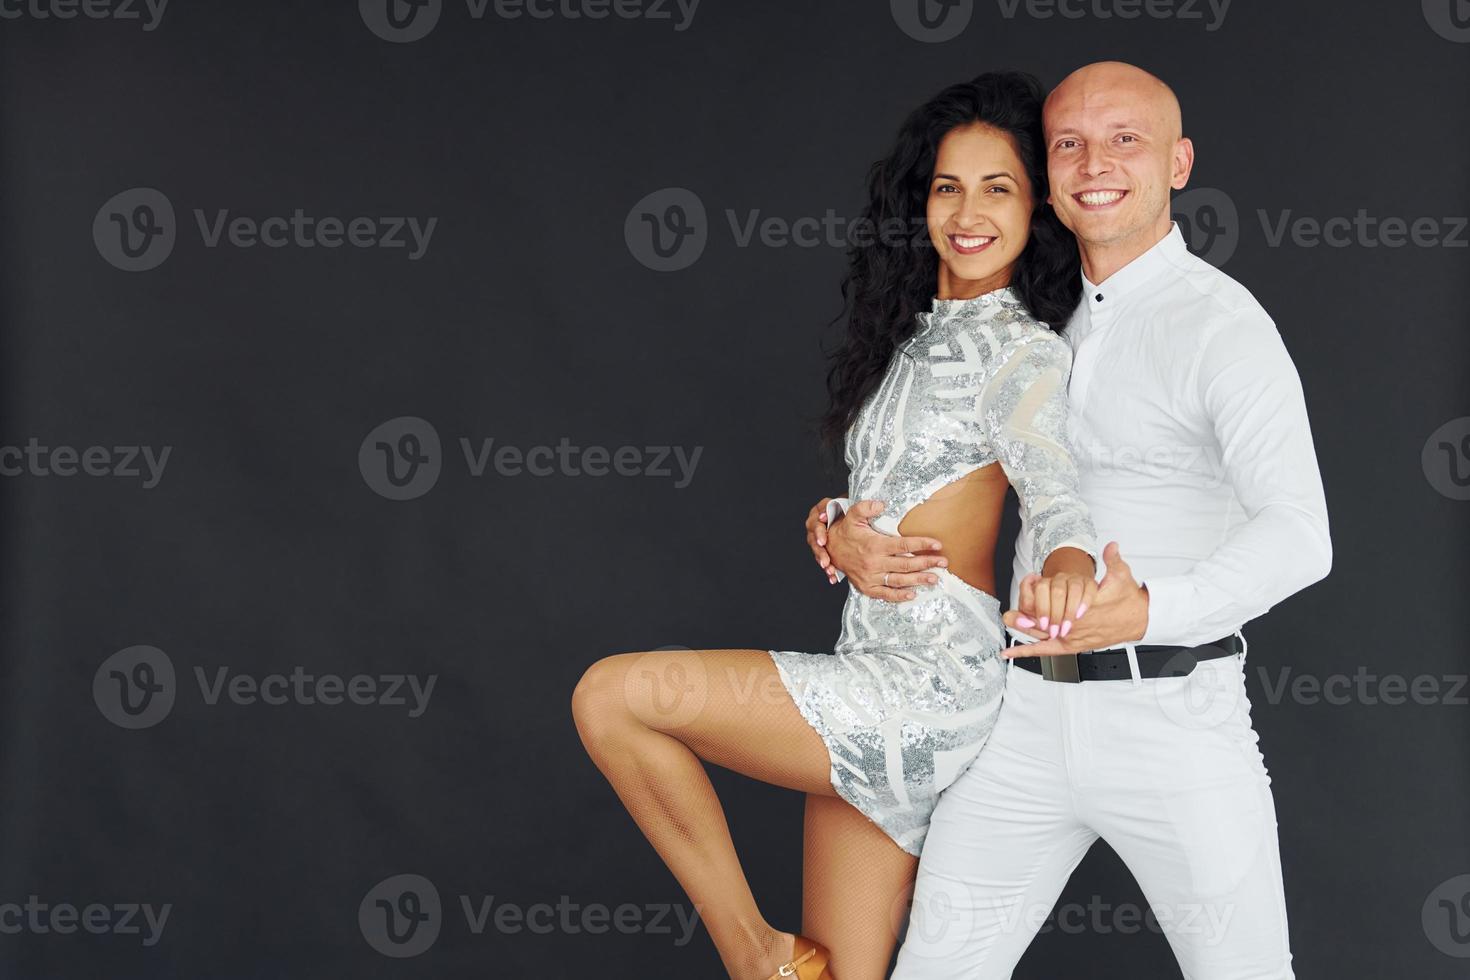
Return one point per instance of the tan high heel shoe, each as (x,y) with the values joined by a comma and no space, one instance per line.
(808,961)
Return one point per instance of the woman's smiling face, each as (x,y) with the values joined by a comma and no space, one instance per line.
(979,211)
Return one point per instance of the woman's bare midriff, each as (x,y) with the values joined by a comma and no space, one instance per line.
(965,517)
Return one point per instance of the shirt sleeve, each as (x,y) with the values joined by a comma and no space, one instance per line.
(1250,390)
(1024,411)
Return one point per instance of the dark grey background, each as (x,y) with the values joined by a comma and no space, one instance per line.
(528,320)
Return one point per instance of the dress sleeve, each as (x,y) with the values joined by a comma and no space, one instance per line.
(1023,409)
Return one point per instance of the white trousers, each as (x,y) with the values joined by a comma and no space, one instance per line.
(1166,770)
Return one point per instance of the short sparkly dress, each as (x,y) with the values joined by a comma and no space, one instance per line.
(912,691)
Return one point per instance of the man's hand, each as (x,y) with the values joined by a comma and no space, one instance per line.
(1118,614)
(864,554)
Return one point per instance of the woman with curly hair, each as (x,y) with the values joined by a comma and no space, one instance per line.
(950,388)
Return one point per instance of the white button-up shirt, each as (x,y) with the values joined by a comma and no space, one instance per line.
(1193,445)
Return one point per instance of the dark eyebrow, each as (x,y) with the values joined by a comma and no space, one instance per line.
(1003,173)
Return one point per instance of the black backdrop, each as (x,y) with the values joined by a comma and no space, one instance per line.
(538,311)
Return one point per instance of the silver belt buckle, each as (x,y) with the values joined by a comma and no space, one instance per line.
(1061,667)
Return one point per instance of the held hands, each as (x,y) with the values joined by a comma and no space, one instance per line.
(1052,604)
(1116,610)
(864,554)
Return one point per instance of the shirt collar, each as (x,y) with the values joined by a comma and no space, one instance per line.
(1168,252)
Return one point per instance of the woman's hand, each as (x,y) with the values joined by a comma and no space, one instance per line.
(1050,604)
(1119,611)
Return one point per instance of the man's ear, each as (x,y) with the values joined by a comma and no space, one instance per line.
(1183,162)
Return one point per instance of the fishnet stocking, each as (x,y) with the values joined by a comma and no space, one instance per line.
(647,719)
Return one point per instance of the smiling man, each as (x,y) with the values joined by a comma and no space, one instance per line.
(1129,721)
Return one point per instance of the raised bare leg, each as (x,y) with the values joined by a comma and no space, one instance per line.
(647,719)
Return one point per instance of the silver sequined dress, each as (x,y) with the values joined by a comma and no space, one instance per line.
(912,691)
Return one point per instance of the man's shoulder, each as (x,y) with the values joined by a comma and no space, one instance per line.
(1211,298)
(1210,311)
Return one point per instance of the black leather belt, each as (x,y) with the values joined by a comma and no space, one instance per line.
(1112,665)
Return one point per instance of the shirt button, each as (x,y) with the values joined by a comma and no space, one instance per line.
(1098,297)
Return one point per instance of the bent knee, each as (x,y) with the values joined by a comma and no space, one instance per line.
(599,701)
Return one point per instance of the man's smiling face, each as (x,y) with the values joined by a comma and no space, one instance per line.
(1113,152)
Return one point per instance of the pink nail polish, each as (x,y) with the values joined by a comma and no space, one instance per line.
(1081,608)
(1044,621)
(1025,622)
(1054,631)
(1066,628)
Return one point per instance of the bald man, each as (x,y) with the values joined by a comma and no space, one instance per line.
(1131,722)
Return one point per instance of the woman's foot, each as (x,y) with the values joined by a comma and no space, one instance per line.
(765,955)
(779,950)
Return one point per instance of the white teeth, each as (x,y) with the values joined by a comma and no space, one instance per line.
(964,242)
(1100,197)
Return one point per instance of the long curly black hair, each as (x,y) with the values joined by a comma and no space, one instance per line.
(892,277)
